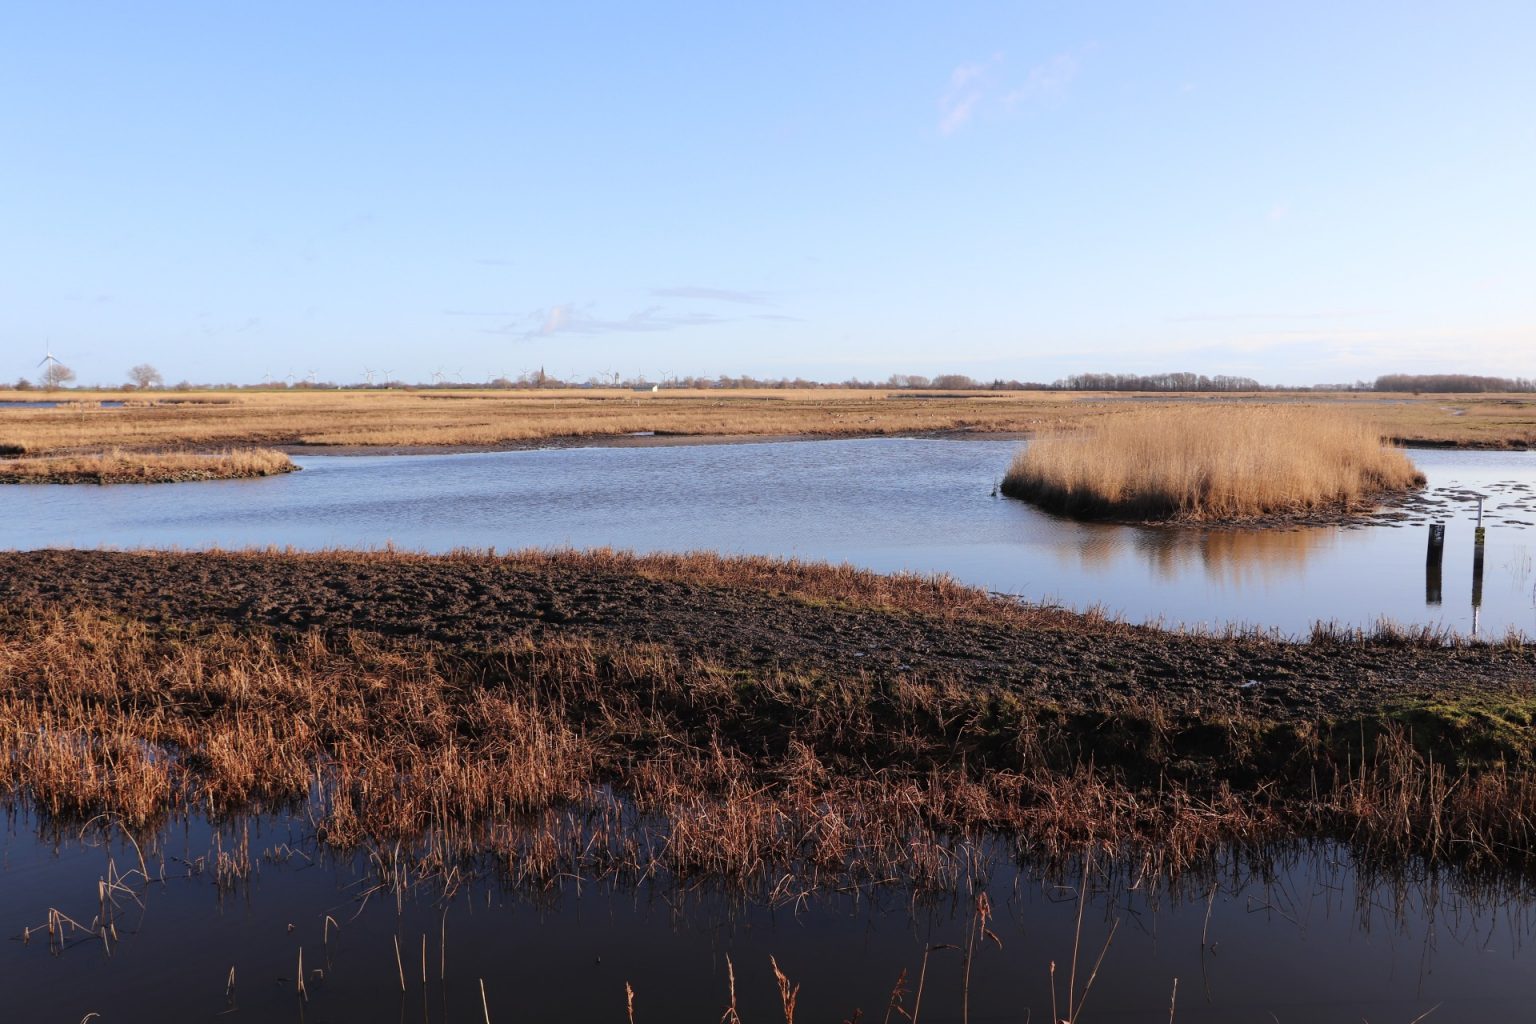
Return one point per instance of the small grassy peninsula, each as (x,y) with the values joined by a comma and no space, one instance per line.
(115,466)
(1211,465)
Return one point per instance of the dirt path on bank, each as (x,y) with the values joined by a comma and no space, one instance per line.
(480,604)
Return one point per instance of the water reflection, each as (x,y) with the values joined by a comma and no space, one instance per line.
(1233,557)
(1434,559)
(1299,932)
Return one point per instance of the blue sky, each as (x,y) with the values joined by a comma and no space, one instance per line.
(1299,192)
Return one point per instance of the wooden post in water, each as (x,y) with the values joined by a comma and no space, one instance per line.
(1477,566)
(1434,558)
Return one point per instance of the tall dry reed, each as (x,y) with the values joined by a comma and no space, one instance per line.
(1209,463)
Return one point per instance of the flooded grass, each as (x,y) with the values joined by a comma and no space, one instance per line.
(117,466)
(557,754)
(1207,464)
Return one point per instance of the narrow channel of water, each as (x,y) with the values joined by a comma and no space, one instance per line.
(1301,938)
(886,504)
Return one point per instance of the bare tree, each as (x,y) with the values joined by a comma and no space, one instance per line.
(56,375)
(145,377)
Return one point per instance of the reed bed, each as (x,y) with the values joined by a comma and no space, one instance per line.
(568,754)
(1223,463)
(116,466)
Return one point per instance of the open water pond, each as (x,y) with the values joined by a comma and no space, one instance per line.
(886,504)
(1299,939)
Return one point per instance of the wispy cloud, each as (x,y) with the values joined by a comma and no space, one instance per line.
(1045,83)
(745,298)
(568,318)
(583,319)
(976,87)
(967,86)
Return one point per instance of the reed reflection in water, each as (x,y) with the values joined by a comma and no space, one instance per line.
(1234,557)
(1304,932)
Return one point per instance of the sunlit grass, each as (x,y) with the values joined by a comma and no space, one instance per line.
(489,418)
(120,467)
(1211,463)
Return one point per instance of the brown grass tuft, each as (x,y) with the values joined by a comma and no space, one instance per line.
(115,466)
(1211,464)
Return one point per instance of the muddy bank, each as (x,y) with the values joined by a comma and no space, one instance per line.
(644,439)
(670,439)
(753,620)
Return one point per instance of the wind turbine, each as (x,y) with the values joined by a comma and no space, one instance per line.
(48,359)
(437,375)
(386,375)
(368,376)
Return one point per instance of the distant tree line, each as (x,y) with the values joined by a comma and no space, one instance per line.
(1451,382)
(1156,382)
(145,377)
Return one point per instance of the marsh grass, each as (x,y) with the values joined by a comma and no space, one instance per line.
(490,418)
(116,466)
(1213,463)
(405,418)
(570,754)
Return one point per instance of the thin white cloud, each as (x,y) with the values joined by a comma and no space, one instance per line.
(568,318)
(1045,83)
(556,320)
(967,87)
(975,88)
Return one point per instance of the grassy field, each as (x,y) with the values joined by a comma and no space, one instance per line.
(116,466)
(405,419)
(1222,463)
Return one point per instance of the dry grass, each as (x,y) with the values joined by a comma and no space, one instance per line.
(1211,464)
(120,467)
(490,418)
(571,754)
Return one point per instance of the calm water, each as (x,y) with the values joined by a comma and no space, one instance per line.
(887,504)
(1300,942)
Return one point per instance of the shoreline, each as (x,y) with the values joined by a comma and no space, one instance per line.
(652,439)
(663,439)
(759,613)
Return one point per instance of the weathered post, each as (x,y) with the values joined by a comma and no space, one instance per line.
(1477,564)
(1434,558)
